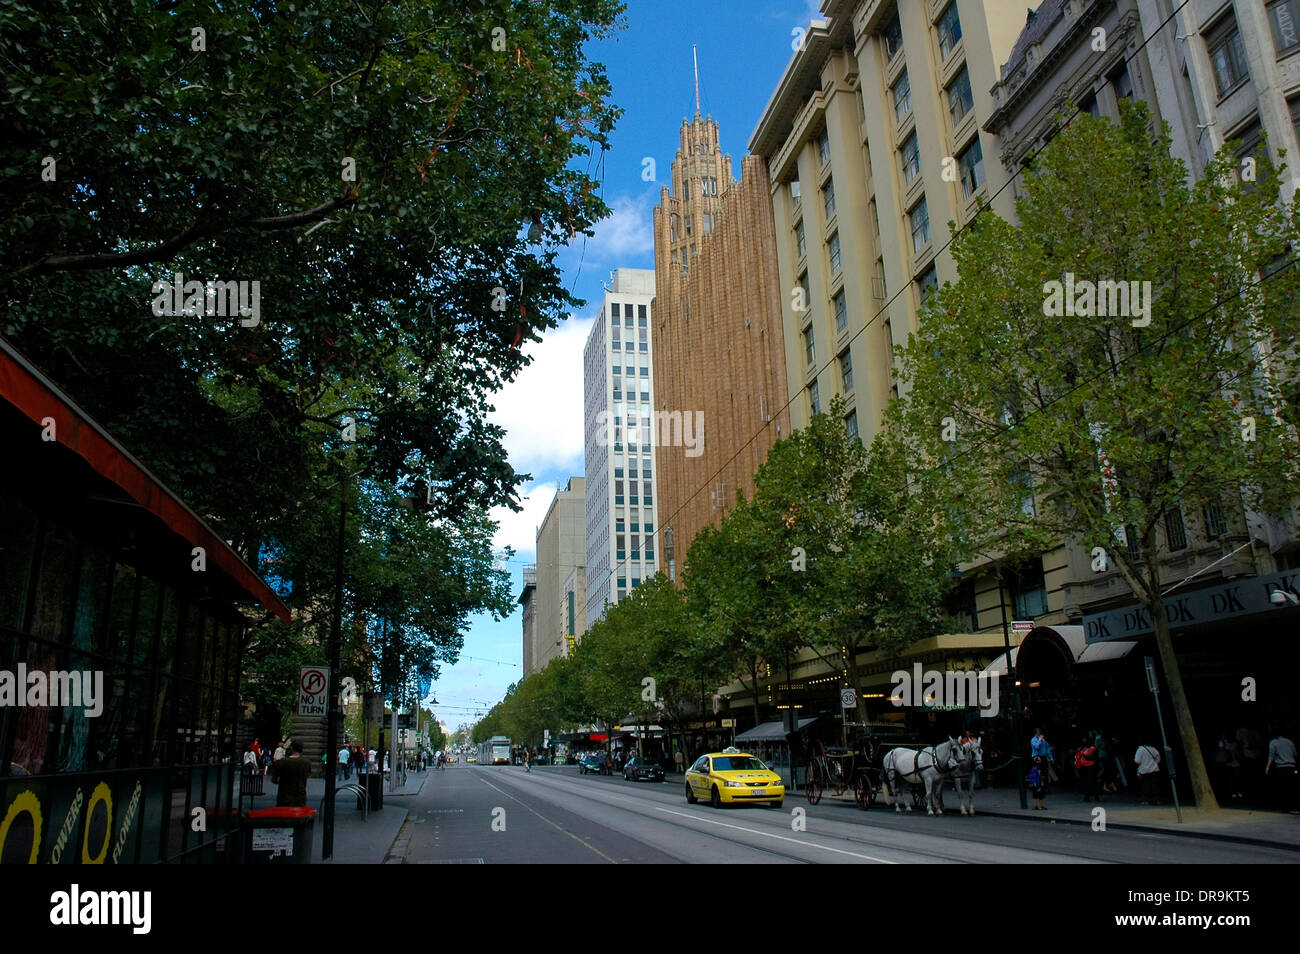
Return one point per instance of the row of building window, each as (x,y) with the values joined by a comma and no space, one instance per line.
(947,27)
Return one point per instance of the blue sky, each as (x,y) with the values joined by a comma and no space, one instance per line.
(743,46)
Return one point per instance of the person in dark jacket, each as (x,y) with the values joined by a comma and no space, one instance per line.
(290,777)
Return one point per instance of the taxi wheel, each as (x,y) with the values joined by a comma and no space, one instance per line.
(690,794)
(778,804)
(715,799)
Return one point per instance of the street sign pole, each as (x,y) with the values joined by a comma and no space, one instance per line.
(1154,685)
(1014,691)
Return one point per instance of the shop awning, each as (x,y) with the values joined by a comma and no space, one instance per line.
(770,731)
(1073,639)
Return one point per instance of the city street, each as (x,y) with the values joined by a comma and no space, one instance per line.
(554,815)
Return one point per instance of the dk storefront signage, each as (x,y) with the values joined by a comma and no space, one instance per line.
(1243,596)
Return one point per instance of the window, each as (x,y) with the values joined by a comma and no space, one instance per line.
(824,147)
(706,223)
(1026,485)
(893,37)
(1215,525)
(672,227)
(851,425)
(799,240)
(902,91)
(647,494)
(841,313)
(796,199)
(687,220)
(971,165)
(920,220)
(620,546)
(834,246)
(949,31)
(1295,117)
(1227,57)
(1121,83)
(911,153)
(810,352)
(618,493)
(960,100)
(641,314)
(613,310)
(1091,106)
(814,401)
(1175,532)
(846,371)
(927,285)
(1132,542)
(828,199)
(807,295)
(649,547)
(1029,590)
(1283,17)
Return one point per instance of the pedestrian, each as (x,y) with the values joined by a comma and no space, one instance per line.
(266,762)
(257,749)
(1104,781)
(1117,761)
(1040,754)
(251,761)
(1251,751)
(1037,782)
(345,769)
(1148,772)
(1085,764)
(1227,764)
(1281,771)
(281,751)
(290,777)
(679,760)
(372,761)
(528,760)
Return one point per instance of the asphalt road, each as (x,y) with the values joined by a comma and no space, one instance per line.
(491,815)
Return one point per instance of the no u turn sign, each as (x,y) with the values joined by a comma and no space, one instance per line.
(313,690)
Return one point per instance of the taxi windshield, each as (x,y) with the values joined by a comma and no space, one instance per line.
(738,763)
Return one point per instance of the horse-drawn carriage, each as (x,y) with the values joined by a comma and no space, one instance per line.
(923,770)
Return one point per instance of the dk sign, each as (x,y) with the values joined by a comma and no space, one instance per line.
(313,690)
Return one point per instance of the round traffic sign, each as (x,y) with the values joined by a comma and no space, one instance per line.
(313,681)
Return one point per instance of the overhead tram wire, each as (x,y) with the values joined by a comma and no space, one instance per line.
(885,307)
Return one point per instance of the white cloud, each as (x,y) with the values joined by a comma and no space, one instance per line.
(627,233)
(541,409)
(519,530)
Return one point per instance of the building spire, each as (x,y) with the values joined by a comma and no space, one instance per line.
(695,58)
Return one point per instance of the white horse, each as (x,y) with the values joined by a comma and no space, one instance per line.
(927,766)
(969,760)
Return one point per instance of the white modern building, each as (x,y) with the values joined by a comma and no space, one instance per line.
(619,443)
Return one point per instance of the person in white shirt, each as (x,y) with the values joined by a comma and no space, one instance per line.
(344,768)
(371,756)
(1148,768)
(1281,769)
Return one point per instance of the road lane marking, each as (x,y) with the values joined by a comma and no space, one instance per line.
(768,834)
(551,823)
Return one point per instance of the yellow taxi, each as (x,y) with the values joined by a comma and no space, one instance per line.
(733,776)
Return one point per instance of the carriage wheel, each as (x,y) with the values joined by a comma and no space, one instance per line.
(812,787)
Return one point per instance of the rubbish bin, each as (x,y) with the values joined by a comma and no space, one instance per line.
(375,790)
(280,835)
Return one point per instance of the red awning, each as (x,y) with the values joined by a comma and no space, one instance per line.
(38,398)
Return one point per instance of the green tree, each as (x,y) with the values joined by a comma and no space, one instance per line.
(1111,421)
(857,565)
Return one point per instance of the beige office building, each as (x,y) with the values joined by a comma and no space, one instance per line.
(557,582)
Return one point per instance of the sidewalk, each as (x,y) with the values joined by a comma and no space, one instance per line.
(1249,826)
(356,842)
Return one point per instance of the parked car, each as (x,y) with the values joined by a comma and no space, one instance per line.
(591,764)
(638,768)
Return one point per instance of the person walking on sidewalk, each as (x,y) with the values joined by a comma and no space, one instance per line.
(1040,755)
(1148,772)
(345,769)
(290,777)
(1281,770)
(1085,764)
(528,760)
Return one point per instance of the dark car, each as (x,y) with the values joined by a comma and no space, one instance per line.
(639,768)
(591,763)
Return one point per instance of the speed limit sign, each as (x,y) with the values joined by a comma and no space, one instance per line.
(848,699)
